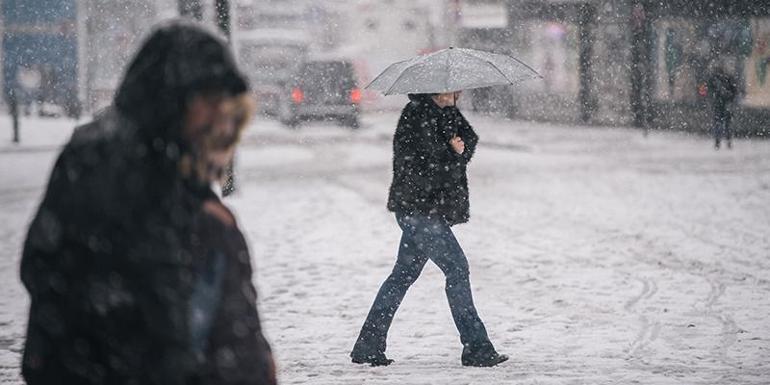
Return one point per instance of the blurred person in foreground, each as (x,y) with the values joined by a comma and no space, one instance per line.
(723,89)
(431,149)
(137,273)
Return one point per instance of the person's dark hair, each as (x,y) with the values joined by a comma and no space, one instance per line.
(179,60)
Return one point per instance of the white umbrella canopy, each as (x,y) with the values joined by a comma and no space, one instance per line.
(451,69)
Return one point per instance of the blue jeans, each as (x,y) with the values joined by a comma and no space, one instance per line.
(424,237)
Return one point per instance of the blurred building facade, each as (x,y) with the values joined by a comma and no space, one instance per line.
(628,62)
(39,54)
(89,42)
(73,53)
(615,62)
(110,31)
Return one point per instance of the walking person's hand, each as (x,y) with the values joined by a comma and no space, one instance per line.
(457,144)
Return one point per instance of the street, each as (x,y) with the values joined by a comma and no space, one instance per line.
(597,255)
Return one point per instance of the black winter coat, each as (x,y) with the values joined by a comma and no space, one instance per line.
(131,280)
(723,89)
(428,176)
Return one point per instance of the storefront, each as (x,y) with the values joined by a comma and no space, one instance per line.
(556,39)
(689,43)
(641,63)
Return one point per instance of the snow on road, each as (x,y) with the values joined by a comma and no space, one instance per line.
(598,256)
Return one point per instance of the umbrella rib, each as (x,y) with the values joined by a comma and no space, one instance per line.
(449,69)
(383,72)
(492,64)
(397,79)
(528,67)
(501,72)
(516,60)
(419,59)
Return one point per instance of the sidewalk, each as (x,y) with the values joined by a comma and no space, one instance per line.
(598,256)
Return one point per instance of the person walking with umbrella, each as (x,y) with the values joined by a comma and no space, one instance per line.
(432,146)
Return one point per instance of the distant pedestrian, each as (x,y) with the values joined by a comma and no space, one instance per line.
(29,81)
(432,146)
(137,273)
(723,90)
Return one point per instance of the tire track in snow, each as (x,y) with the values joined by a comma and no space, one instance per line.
(649,329)
(730,329)
(704,306)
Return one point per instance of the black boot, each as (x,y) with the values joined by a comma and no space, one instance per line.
(482,356)
(489,361)
(370,349)
(373,359)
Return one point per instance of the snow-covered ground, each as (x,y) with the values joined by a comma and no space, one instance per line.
(598,256)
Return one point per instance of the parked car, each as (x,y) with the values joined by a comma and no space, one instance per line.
(267,57)
(321,90)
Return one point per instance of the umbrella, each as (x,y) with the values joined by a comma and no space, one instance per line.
(451,69)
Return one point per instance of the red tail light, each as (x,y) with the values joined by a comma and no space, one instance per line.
(355,96)
(297,95)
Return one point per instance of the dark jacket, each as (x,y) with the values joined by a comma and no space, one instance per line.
(131,281)
(428,176)
(723,89)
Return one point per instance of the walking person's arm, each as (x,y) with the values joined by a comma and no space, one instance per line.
(465,132)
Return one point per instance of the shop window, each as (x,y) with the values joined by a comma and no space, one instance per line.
(757,65)
(551,47)
(687,51)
